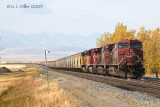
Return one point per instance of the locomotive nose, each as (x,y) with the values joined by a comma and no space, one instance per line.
(134,56)
(130,56)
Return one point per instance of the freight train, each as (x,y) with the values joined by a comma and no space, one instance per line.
(124,58)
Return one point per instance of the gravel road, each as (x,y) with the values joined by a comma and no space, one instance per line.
(94,94)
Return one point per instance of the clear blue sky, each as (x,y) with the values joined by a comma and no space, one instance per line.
(79,16)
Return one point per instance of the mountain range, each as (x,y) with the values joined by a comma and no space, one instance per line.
(46,39)
(31,47)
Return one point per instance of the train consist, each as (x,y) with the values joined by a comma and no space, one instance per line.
(124,58)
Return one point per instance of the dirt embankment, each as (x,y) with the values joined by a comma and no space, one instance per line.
(5,70)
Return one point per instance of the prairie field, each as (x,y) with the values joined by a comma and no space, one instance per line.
(29,90)
(26,68)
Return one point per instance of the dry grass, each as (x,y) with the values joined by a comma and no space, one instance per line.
(26,90)
(27,68)
(13,66)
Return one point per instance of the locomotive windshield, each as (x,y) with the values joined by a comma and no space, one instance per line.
(136,45)
(123,45)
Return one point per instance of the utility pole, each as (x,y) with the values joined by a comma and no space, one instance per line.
(46,66)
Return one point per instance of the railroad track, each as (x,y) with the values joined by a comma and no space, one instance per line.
(132,84)
(152,82)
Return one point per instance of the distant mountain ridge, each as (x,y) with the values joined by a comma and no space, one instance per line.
(46,39)
(31,47)
(36,53)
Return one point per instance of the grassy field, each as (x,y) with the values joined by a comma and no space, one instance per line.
(29,90)
(27,68)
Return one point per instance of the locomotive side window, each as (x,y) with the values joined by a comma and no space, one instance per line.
(136,45)
(123,45)
(106,48)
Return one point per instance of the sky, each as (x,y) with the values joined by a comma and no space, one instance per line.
(82,17)
(68,18)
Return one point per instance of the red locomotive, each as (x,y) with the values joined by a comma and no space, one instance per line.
(124,58)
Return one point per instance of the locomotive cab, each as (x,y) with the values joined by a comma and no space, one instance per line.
(96,56)
(130,52)
(106,53)
(130,57)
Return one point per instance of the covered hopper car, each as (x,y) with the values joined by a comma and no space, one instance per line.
(124,58)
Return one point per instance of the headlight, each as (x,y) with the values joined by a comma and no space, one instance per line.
(125,62)
(130,50)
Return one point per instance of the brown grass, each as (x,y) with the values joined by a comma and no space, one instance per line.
(28,68)
(27,90)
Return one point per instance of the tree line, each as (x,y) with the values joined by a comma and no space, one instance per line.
(149,38)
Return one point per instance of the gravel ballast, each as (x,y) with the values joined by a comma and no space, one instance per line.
(95,94)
